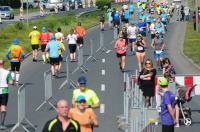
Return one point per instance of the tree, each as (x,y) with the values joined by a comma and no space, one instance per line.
(12,3)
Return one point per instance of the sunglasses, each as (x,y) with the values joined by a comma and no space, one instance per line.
(147,63)
(82,101)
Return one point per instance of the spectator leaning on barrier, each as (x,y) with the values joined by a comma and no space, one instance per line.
(5,79)
(147,81)
(34,36)
(85,116)
(92,100)
(62,123)
(167,106)
(15,54)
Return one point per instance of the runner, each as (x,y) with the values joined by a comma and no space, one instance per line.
(158,44)
(53,47)
(164,18)
(91,98)
(44,39)
(142,28)
(80,30)
(102,20)
(132,31)
(116,20)
(126,17)
(153,29)
(125,34)
(131,9)
(34,36)
(140,51)
(59,35)
(5,79)
(85,116)
(148,19)
(62,123)
(71,40)
(15,54)
(110,18)
(121,48)
(160,28)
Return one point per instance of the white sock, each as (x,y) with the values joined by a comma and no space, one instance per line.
(44,58)
(13,75)
(17,77)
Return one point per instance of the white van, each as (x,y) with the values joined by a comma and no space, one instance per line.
(50,4)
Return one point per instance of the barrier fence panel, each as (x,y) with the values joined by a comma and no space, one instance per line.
(48,90)
(21,119)
(115,33)
(68,82)
(91,57)
(101,46)
(80,66)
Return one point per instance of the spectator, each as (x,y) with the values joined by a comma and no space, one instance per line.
(147,81)
(92,100)
(5,79)
(187,13)
(194,20)
(85,116)
(62,123)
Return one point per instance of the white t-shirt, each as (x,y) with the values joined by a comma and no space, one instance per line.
(59,36)
(3,78)
(152,28)
(71,39)
(132,30)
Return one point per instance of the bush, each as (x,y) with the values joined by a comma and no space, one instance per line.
(19,25)
(102,4)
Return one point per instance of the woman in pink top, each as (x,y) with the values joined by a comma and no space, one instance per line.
(120,47)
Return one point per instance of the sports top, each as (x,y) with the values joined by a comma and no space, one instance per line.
(34,35)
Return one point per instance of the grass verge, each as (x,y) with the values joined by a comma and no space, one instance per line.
(192,43)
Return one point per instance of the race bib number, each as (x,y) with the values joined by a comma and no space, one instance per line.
(140,48)
(158,51)
(140,29)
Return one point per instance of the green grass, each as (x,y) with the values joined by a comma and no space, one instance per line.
(192,43)
(191,4)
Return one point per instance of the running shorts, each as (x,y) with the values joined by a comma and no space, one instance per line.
(143,34)
(72,48)
(120,55)
(80,40)
(43,47)
(160,55)
(35,47)
(15,66)
(132,40)
(116,23)
(3,99)
(54,61)
(131,12)
(126,20)
(166,128)
(60,58)
(164,23)
(148,23)
(152,36)
(102,21)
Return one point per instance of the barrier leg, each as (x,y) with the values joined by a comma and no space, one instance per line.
(91,57)
(41,105)
(15,127)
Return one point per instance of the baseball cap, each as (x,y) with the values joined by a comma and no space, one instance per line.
(163,82)
(34,27)
(15,41)
(1,62)
(80,98)
(82,80)
(44,29)
(53,37)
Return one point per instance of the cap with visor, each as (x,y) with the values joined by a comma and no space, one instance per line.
(82,80)
(163,82)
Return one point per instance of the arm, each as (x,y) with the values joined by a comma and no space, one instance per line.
(163,45)
(153,44)
(171,112)
(144,43)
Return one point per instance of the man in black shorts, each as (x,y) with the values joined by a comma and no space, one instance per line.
(5,79)
(15,54)
(102,20)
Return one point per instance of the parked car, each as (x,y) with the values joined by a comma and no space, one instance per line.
(50,4)
(6,12)
(72,4)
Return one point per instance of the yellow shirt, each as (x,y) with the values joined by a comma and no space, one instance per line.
(34,35)
(62,46)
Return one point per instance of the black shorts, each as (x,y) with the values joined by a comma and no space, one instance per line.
(131,12)
(3,99)
(120,55)
(148,23)
(132,40)
(166,128)
(43,47)
(54,61)
(15,66)
(60,58)
(116,23)
(164,23)
(35,47)
(80,40)
(126,20)
(72,48)
(102,21)
(152,36)
(143,34)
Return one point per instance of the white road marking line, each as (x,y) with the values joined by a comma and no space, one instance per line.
(103,87)
(103,72)
(103,60)
(102,108)
(108,51)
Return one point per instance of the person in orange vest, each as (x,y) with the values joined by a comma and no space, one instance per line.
(15,54)
(44,39)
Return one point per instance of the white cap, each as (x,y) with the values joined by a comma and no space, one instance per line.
(34,27)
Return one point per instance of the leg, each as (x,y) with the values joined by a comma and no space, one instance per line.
(142,59)
(177,115)
(53,69)
(123,58)
(147,101)
(139,61)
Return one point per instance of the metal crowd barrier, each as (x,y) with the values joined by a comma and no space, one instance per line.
(48,90)
(101,46)
(81,65)
(22,111)
(91,57)
(68,81)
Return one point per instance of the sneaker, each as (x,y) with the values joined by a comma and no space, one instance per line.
(177,125)
(3,127)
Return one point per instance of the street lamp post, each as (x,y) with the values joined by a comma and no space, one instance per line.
(27,11)
(197,16)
